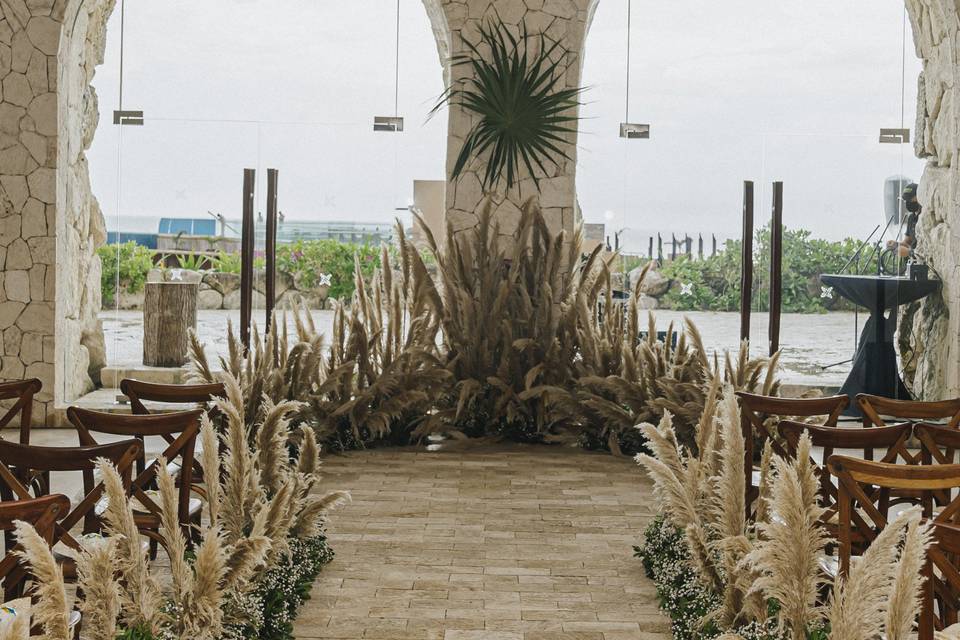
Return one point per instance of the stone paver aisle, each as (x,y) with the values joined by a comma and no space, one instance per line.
(493,543)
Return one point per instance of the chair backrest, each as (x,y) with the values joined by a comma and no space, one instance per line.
(178,429)
(865,487)
(941,589)
(24,467)
(139,392)
(22,391)
(874,407)
(43,513)
(887,443)
(756,409)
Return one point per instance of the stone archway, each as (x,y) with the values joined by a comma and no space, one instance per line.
(50,223)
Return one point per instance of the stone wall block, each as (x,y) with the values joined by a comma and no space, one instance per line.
(44,33)
(22,50)
(16,286)
(18,255)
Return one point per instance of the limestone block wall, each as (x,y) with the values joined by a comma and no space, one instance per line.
(930,330)
(564,20)
(29,42)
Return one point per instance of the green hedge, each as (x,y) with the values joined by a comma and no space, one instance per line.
(130,261)
(716,280)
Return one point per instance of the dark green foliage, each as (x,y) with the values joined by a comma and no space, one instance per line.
(129,262)
(306,260)
(716,279)
(523,109)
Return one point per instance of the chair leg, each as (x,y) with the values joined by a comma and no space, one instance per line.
(153,548)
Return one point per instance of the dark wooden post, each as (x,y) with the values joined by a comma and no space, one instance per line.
(270,248)
(650,251)
(659,248)
(746,266)
(673,247)
(776,266)
(247,248)
(714,245)
(688,246)
(700,247)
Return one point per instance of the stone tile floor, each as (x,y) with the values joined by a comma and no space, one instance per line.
(485,543)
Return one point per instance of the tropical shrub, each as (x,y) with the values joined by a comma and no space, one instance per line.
(714,282)
(127,263)
(306,260)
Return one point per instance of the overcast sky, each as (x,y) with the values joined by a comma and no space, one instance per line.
(794,90)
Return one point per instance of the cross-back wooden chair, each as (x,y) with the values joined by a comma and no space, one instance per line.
(20,463)
(865,487)
(875,407)
(887,443)
(22,391)
(43,513)
(755,410)
(179,432)
(941,589)
(193,394)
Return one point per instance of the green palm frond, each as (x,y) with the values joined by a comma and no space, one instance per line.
(523,108)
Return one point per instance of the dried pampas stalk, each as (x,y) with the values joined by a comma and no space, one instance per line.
(210,463)
(198,368)
(787,556)
(307,521)
(763,495)
(50,608)
(246,555)
(853,609)
(308,462)
(272,438)
(203,613)
(97,580)
(140,595)
(905,594)
(174,541)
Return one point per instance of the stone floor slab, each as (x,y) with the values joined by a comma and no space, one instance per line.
(504,542)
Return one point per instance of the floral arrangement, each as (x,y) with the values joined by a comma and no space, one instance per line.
(719,573)
(260,547)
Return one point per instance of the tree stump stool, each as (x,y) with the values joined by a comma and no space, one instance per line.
(169,312)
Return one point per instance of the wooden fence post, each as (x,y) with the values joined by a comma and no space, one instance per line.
(746,267)
(247,248)
(776,267)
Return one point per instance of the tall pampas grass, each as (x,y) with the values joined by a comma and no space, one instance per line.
(97,581)
(905,593)
(855,609)
(791,544)
(140,596)
(50,610)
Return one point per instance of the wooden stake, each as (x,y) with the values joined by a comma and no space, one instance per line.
(746,277)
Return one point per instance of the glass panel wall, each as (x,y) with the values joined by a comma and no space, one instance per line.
(798,93)
(295,90)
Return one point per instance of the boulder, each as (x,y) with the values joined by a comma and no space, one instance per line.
(647,302)
(655,284)
(209,299)
(231,300)
(225,283)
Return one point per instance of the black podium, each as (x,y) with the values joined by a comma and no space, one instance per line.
(875,364)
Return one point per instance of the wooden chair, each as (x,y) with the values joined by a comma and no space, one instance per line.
(20,464)
(22,391)
(179,431)
(194,394)
(941,589)
(43,513)
(888,442)
(865,487)
(873,407)
(756,409)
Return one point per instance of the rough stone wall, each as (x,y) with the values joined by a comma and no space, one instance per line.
(80,224)
(29,41)
(564,20)
(930,330)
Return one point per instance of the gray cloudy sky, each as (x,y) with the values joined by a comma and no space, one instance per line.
(794,90)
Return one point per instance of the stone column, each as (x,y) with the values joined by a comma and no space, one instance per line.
(563,20)
(29,40)
(930,330)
